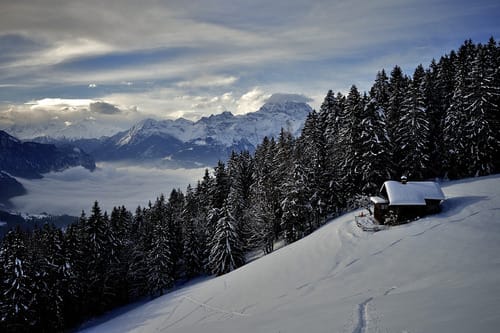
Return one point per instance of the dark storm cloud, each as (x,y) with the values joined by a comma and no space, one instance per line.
(103,108)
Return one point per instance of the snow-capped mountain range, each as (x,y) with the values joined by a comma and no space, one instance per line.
(225,128)
(193,143)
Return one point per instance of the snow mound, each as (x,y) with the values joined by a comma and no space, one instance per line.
(438,274)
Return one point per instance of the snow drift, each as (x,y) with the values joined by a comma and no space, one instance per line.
(438,274)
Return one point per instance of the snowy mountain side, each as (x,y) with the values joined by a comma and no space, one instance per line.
(437,274)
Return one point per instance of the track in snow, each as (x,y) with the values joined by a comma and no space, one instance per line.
(362,316)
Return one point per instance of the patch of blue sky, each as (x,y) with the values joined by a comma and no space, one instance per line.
(126,59)
(14,45)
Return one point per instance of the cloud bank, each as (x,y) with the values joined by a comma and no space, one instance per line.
(76,189)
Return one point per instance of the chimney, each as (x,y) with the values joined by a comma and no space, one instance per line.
(404,180)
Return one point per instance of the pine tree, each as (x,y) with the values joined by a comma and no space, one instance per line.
(16,306)
(226,252)
(141,239)
(193,240)
(159,256)
(174,217)
(240,170)
(332,120)
(118,267)
(97,245)
(437,97)
(51,278)
(220,186)
(282,163)
(352,143)
(376,166)
(295,206)
(207,225)
(75,273)
(312,156)
(413,131)
(481,109)
(265,198)
(398,86)
(456,118)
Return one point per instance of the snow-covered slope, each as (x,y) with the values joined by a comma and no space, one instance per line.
(438,274)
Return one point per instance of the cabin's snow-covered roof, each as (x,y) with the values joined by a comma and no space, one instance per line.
(412,193)
(378,200)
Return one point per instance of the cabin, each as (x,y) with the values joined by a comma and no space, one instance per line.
(404,201)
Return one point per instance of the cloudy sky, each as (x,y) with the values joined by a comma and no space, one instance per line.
(122,60)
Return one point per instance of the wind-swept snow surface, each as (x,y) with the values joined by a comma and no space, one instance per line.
(438,274)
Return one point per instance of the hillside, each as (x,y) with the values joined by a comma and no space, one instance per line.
(438,274)
(31,159)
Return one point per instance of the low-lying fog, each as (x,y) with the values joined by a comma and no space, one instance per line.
(76,189)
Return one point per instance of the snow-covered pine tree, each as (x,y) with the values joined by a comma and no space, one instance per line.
(434,99)
(332,119)
(282,164)
(97,253)
(352,144)
(17,294)
(193,236)
(226,252)
(481,110)
(174,209)
(219,186)
(295,206)
(118,267)
(76,273)
(240,170)
(141,239)
(159,256)
(376,156)
(312,155)
(456,118)
(412,135)
(265,198)
(398,87)
(50,279)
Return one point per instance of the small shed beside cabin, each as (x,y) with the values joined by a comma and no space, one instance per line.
(407,200)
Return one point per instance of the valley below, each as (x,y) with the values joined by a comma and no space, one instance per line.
(111,184)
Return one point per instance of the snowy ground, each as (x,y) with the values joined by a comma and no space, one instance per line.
(438,274)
